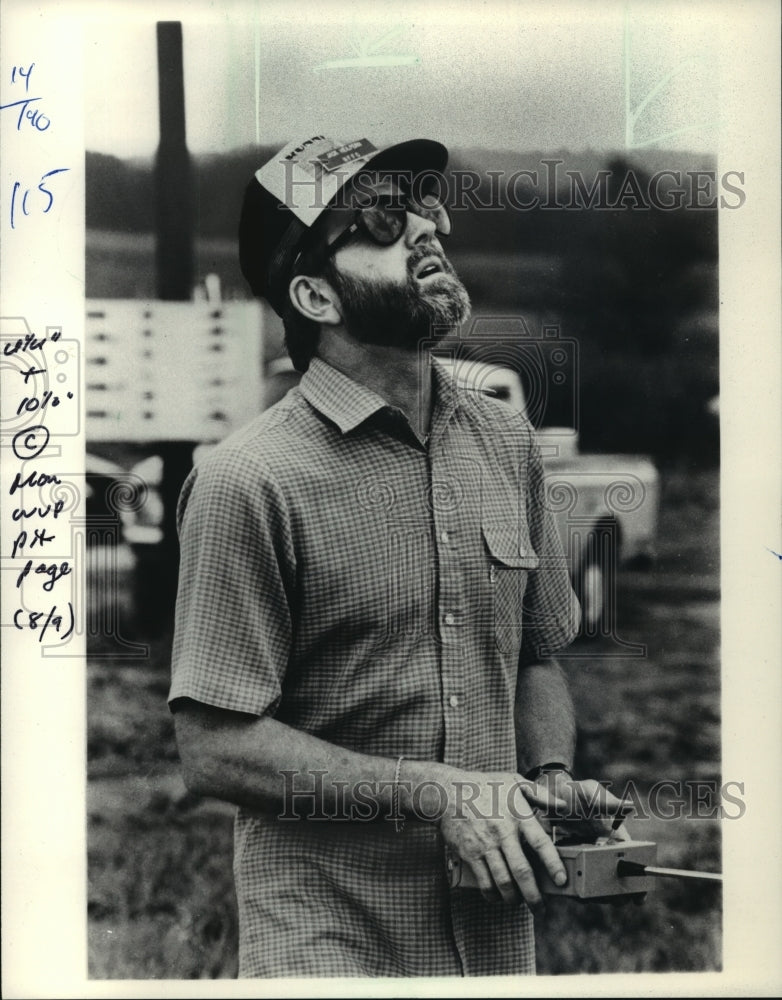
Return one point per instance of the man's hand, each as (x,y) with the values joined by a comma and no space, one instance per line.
(590,809)
(488,819)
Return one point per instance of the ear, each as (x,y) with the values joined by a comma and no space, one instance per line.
(315,299)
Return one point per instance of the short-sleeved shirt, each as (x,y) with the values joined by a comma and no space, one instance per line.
(379,592)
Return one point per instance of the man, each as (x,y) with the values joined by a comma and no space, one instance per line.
(371,589)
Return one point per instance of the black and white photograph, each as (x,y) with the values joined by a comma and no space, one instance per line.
(410,615)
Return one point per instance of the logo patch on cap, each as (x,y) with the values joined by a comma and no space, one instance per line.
(346,154)
(306,175)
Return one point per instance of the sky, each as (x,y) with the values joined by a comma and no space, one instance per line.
(498,74)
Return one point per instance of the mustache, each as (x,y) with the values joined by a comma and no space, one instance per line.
(420,252)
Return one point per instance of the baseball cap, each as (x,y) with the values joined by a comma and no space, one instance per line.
(287,196)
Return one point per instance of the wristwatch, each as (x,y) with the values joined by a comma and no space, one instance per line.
(551,768)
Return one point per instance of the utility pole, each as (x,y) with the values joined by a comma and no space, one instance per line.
(174,270)
(173,175)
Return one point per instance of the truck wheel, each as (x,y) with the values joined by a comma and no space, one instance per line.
(595,582)
(592,597)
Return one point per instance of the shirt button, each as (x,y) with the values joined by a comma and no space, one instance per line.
(444,536)
(453,701)
(449,619)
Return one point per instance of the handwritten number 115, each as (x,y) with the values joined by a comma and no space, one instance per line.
(19,198)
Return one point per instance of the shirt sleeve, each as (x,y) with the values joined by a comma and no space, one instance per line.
(551,612)
(233,627)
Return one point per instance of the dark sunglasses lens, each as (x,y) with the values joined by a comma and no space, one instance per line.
(384,223)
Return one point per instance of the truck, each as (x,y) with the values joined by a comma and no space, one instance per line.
(606,505)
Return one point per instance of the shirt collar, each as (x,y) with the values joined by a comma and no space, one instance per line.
(344,401)
(445,398)
(347,403)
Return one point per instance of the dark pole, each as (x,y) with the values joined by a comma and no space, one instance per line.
(156,582)
(173,181)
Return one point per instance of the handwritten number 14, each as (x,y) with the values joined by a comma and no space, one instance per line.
(24,74)
(28,112)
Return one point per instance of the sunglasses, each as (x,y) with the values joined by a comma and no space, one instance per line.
(383,222)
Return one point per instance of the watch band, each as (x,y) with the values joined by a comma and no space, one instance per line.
(550,768)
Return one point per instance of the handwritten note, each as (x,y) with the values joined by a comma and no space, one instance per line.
(39,195)
(40,499)
(40,382)
(43,531)
(35,519)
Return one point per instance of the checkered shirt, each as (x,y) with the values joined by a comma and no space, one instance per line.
(382,594)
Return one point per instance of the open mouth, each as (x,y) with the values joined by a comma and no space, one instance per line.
(428,267)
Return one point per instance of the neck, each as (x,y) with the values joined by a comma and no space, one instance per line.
(402,377)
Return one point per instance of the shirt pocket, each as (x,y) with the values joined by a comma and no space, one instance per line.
(511,558)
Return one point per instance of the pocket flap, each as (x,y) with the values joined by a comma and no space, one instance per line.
(510,545)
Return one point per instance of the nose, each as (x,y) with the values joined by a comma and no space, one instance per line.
(419,229)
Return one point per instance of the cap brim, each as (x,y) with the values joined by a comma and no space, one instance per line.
(415,155)
(408,159)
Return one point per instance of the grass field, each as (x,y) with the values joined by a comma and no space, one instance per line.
(161,901)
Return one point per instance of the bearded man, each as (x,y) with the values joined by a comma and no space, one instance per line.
(371,589)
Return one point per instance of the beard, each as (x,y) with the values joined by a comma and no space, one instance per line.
(389,314)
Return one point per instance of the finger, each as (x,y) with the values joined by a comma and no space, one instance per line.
(593,797)
(621,833)
(589,800)
(537,839)
(503,878)
(539,796)
(484,878)
(595,792)
(522,874)
(547,822)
